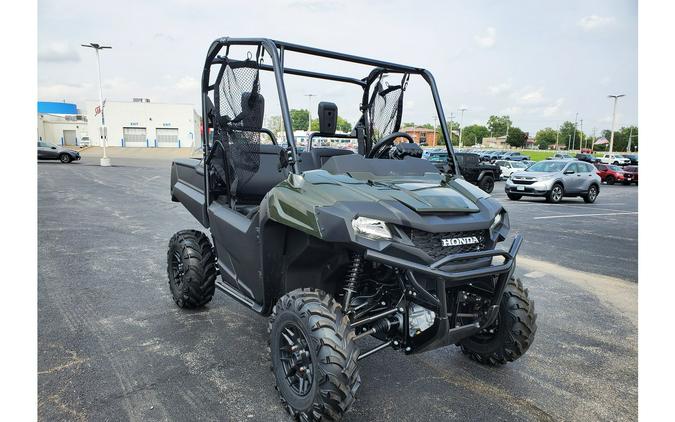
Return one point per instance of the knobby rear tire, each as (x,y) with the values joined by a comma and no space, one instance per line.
(191,251)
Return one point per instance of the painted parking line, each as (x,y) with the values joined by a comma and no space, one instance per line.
(584,215)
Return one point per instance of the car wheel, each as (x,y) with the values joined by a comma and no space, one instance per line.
(591,195)
(65,158)
(556,194)
(487,183)
(610,180)
(616,163)
(514,196)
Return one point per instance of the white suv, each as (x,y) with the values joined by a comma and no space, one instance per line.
(615,159)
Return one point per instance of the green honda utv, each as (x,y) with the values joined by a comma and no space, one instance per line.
(338,244)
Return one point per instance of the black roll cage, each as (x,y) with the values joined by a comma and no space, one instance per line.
(276,51)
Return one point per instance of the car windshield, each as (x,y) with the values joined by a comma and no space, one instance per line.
(518,165)
(615,168)
(438,157)
(630,168)
(547,167)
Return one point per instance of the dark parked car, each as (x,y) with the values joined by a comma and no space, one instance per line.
(479,173)
(513,156)
(610,173)
(473,170)
(589,158)
(630,175)
(47,151)
(633,159)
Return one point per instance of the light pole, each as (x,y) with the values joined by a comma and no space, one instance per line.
(611,138)
(452,115)
(309,112)
(461,124)
(105,161)
(581,142)
(574,134)
(435,140)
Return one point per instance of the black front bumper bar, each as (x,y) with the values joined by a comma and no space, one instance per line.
(446,334)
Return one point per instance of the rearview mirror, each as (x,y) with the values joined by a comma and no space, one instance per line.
(53,147)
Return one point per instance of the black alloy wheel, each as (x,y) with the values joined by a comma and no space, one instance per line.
(296,358)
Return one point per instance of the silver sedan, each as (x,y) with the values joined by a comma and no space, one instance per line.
(555,179)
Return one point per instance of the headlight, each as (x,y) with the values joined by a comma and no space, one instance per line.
(497,222)
(371,228)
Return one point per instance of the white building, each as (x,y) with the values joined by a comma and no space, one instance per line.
(60,123)
(141,123)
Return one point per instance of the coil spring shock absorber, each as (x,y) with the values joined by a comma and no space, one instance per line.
(353,273)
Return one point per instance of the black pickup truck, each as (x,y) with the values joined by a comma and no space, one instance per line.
(480,173)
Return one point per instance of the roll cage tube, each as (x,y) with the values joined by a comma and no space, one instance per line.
(276,50)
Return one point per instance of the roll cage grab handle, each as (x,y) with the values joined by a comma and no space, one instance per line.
(276,49)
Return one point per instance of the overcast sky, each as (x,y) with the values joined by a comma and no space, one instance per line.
(538,61)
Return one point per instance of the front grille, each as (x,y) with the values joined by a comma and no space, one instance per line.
(522,182)
(432,243)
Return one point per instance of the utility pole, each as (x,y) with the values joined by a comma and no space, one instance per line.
(574,134)
(461,125)
(593,141)
(611,138)
(309,112)
(435,133)
(629,139)
(452,116)
(581,142)
(569,142)
(105,161)
(557,135)
(506,140)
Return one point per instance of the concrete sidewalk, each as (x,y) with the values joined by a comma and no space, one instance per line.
(141,153)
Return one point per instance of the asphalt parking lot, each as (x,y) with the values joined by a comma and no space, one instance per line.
(113,346)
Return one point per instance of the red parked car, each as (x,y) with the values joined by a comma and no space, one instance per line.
(630,175)
(609,173)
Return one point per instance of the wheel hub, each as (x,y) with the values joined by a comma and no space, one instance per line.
(178,268)
(296,359)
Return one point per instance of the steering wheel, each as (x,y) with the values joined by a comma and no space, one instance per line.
(382,146)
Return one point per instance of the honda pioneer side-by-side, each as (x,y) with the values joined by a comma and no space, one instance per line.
(336,245)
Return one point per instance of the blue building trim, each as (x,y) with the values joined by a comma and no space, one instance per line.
(48,107)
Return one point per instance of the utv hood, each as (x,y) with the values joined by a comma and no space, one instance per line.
(430,202)
(428,194)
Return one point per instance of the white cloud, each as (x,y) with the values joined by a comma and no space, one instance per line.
(486,39)
(531,96)
(593,22)
(553,109)
(58,52)
(187,83)
(500,88)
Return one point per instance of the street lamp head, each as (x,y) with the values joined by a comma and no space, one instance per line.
(616,96)
(95,46)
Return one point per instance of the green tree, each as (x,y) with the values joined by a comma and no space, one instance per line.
(454,134)
(621,138)
(545,137)
(299,119)
(343,125)
(474,134)
(567,135)
(498,124)
(516,137)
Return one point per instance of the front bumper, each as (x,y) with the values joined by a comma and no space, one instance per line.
(538,188)
(446,332)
